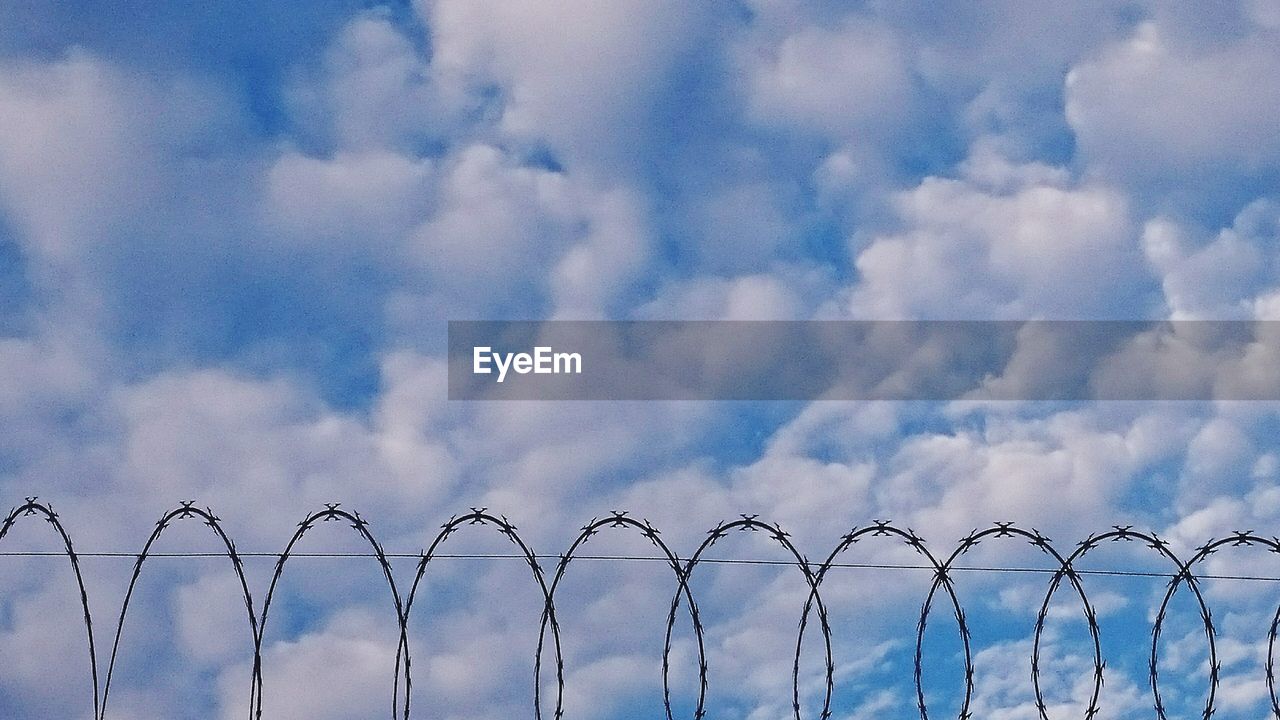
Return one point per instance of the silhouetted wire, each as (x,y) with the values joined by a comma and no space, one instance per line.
(943,569)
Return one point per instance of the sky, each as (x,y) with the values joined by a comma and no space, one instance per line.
(231,238)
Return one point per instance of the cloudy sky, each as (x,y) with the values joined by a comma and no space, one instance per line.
(230,239)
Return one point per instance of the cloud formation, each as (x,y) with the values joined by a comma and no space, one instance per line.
(230,241)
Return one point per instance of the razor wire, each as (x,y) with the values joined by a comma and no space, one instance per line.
(943,569)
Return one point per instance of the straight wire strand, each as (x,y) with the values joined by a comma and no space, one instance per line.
(637,558)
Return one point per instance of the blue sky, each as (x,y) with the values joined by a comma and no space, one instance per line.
(230,241)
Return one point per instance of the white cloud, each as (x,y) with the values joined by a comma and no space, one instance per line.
(363,202)
(748,297)
(851,83)
(1151,105)
(239,445)
(505,235)
(42,637)
(1061,472)
(1041,250)
(374,90)
(576,74)
(613,252)
(340,672)
(1229,276)
(85,146)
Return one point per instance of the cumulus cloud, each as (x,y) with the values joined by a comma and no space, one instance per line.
(573,74)
(372,90)
(1230,275)
(496,220)
(88,152)
(774,296)
(351,199)
(1041,249)
(1158,106)
(851,83)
